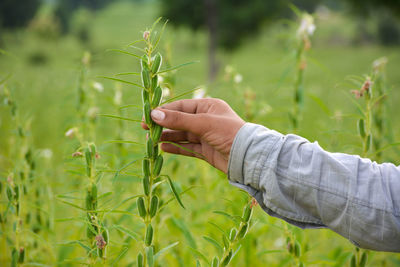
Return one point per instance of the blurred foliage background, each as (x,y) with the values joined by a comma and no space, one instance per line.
(246,54)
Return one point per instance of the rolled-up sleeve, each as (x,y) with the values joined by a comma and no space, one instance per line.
(296,180)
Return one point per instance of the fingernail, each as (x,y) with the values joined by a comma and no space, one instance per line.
(157,115)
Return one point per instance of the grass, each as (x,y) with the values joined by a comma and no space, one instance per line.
(46,92)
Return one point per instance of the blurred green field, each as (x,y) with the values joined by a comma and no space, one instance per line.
(44,84)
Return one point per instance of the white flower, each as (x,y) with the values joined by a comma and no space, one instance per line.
(92,112)
(199,93)
(46,153)
(98,87)
(118,97)
(238,78)
(70,133)
(307,26)
(165,92)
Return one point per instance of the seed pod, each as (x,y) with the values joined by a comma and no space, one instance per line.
(158,165)
(297,249)
(149,235)
(156,97)
(157,131)
(363,260)
(140,260)
(146,167)
(88,201)
(146,185)
(155,66)
(225,241)
(21,255)
(289,247)
(93,150)
(361,128)
(301,264)
(227,258)
(105,236)
(154,83)
(232,234)
(149,148)
(144,62)
(14,258)
(153,206)
(146,78)
(150,256)
(146,113)
(243,230)
(155,151)
(145,96)
(141,207)
(368,144)
(247,213)
(353,261)
(9,193)
(215,262)
(16,193)
(94,192)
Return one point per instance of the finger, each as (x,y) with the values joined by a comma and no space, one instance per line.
(179,136)
(197,124)
(190,150)
(185,105)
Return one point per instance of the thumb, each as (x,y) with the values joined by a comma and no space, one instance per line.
(177,120)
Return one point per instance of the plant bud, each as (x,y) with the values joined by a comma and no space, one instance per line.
(153,206)
(149,235)
(157,131)
(363,260)
(225,241)
(361,128)
(297,249)
(157,60)
(154,83)
(215,262)
(140,260)
(146,78)
(141,207)
(149,148)
(227,258)
(247,213)
(232,234)
(146,35)
(243,230)
(156,97)
(158,165)
(144,62)
(150,256)
(146,113)
(21,255)
(145,96)
(146,185)
(146,167)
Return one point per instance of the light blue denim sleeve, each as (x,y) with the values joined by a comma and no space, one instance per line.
(303,184)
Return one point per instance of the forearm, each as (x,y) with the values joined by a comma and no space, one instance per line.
(301,183)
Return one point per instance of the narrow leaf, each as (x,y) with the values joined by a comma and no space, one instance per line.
(162,251)
(118,117)
(214,243)
(121,81)
(123,52)
(177,67)
(173,189)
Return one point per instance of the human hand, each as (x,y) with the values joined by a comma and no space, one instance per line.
(206,126)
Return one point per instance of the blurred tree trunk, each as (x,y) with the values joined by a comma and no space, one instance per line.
(211,22)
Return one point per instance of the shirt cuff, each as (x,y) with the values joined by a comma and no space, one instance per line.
(249,153)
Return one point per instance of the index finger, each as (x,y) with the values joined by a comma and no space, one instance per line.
(185,105)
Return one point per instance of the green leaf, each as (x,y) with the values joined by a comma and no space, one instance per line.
(127,73)
(71,204)
(199,254)
(120,255)
(320,103)
(130,106)
(177,67)
(123,168)
(235,219)
(183,148)
(185,231)
(160,34)
(118,117)
(126,231)
(123,142)
(180,95)
(135,42)
(214,243)
(121,81)
(123,52)
(162,251)
(173,189)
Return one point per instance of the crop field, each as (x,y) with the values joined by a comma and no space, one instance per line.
(82,184)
